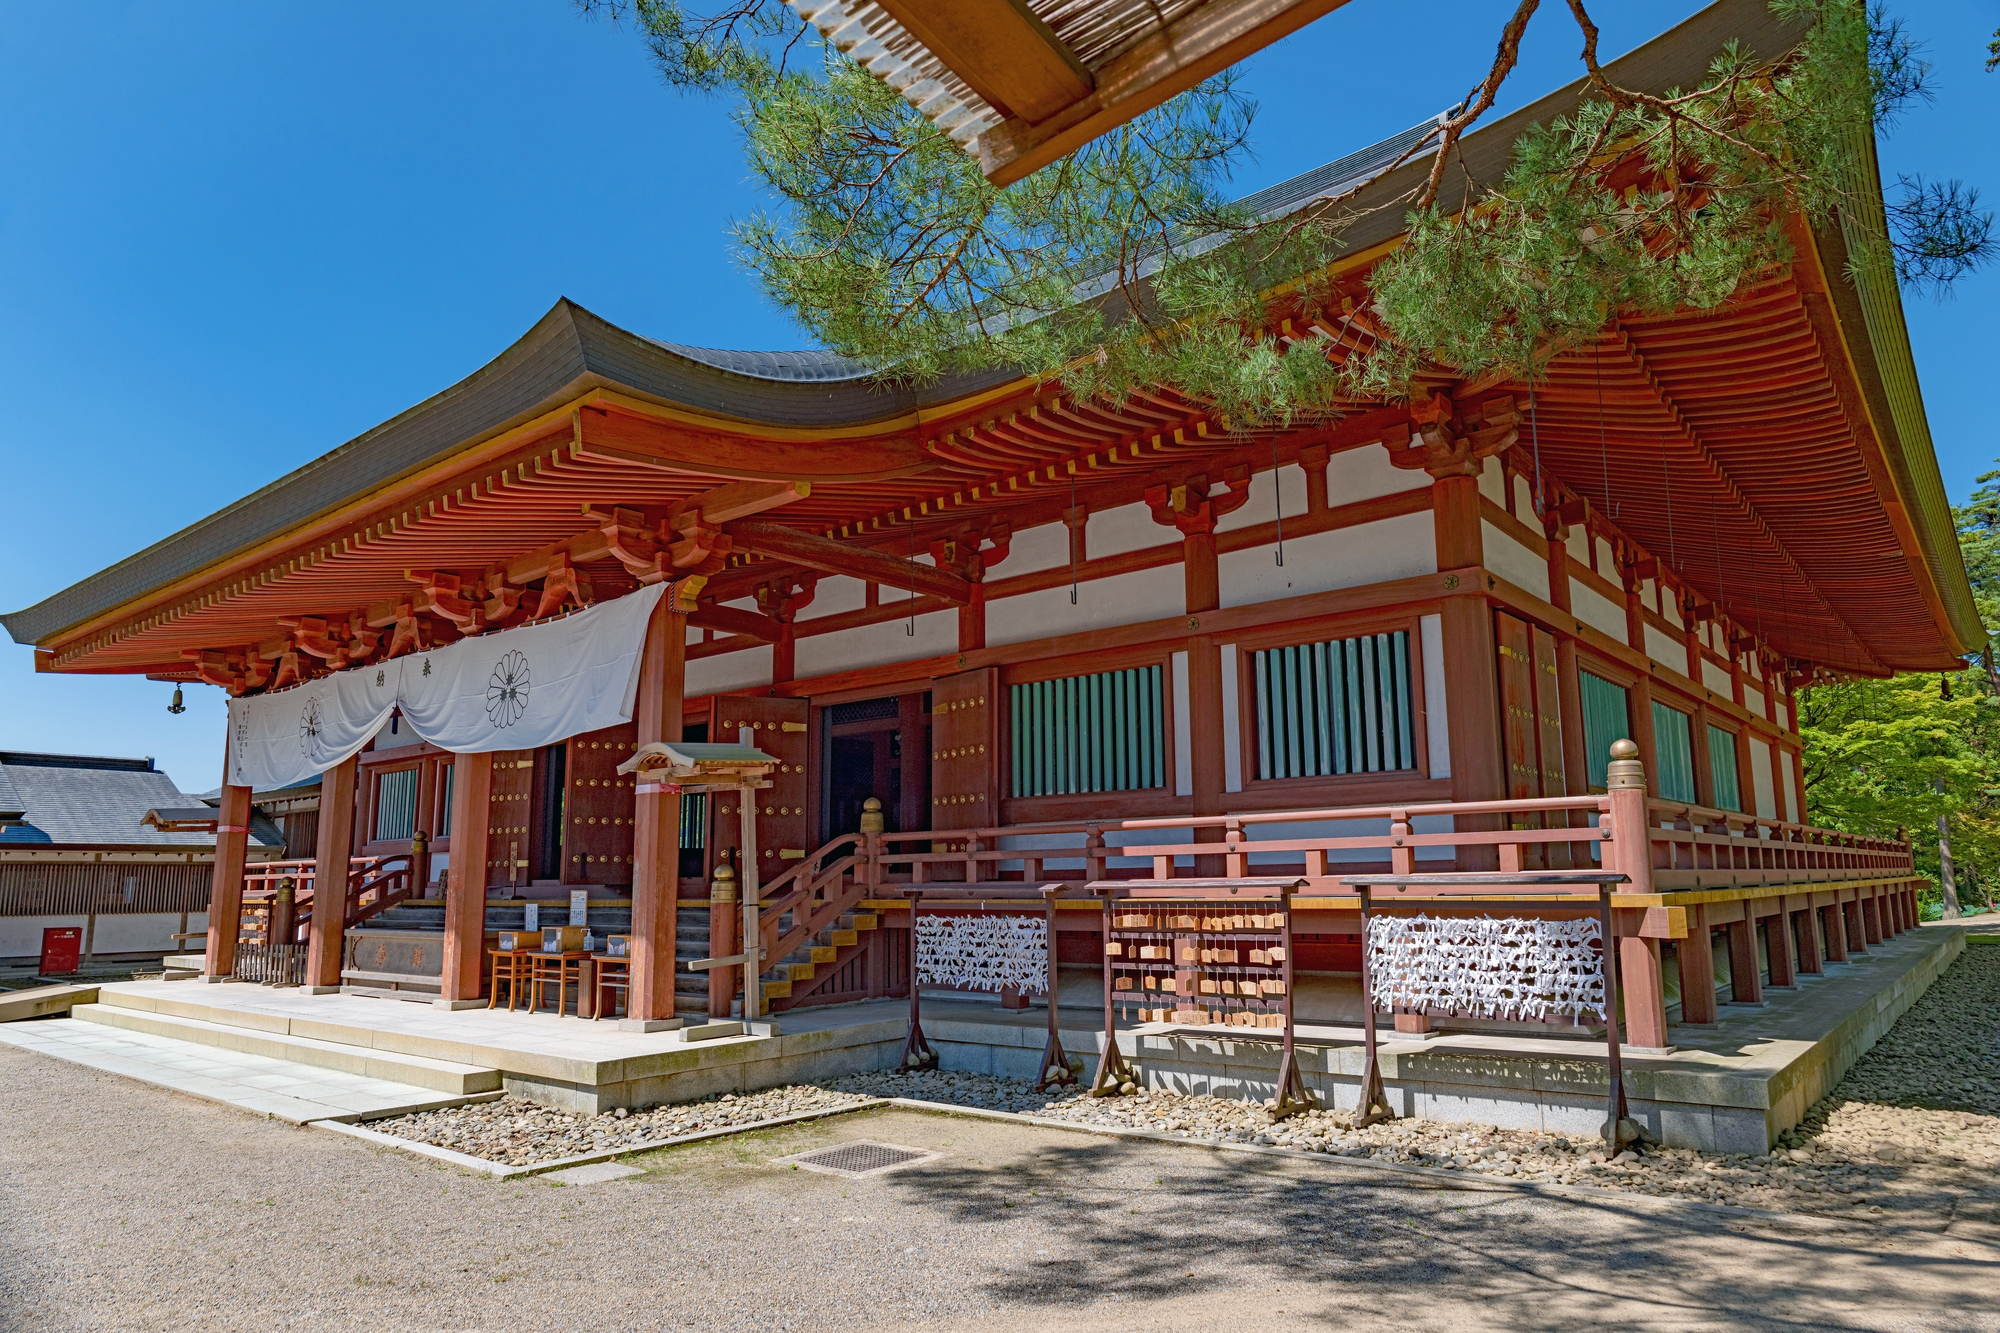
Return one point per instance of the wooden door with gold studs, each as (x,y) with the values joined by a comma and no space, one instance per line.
(785,820)
(597,807)
(965,750)
(508,818)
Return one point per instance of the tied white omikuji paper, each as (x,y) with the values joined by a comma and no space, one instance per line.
(1493,967)
(983,952)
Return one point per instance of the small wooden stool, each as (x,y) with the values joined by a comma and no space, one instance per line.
(613,974)
(558,970)
(513,967)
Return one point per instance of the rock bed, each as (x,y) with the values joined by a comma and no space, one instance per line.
(518,1132)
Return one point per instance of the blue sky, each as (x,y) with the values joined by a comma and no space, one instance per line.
(234,235)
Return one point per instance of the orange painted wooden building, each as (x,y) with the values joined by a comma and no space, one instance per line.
(1030,625)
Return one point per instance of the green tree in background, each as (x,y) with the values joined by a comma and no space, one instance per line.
(1883,755)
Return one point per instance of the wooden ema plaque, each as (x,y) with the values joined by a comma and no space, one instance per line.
(509,802)
(597,807)
(784,827)
(1221,964)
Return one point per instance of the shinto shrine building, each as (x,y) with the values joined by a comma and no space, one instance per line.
(1038,631)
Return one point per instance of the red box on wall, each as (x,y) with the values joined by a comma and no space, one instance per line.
(62,948)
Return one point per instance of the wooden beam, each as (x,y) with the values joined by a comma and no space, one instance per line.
(739,499)
(1002,50)
(735,620)
(1169,60)
(832,557)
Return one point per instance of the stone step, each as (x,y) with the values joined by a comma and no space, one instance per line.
(286,1090)
(417,1071)
(41,1001)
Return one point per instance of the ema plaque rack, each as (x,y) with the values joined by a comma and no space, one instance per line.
(1209,954)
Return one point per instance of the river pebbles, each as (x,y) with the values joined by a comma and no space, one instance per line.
(517,1132)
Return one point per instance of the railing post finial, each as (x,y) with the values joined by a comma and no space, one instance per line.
(1625,772)
(872,818)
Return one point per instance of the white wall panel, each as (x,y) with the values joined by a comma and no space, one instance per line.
(1263,501)
(836,593)
(1760,779)
(877,645)
(1391,548)
(1514,562)
(740,670)
(1126,528)
(1596,610)
(1667,652)
(1365,473)
(1147,594)
(1437,727)
(1717,679)
(1042,547)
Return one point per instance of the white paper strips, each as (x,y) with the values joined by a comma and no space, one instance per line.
(1505,967)
(513,690)
(983,952)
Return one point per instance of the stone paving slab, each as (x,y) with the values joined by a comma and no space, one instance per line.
(277,1088)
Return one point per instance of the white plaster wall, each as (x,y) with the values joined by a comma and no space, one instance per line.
(1604,560)
(1183,729)
(1596,610)
(1670,607)
(21,936)
(1365,473)
(1524,499)
(1753,699)
(836,593)
(1666,651)
(739,670)
(1794,808)
(1437,727)
(1760,779)
(1126,528)
(1232,722)
(1148,594)
(875,645)
(1263,502)
(1031,549)
(1493,482)
(1391,548)
(139,932)
(1579,546)
(1514,562)
(1717,679)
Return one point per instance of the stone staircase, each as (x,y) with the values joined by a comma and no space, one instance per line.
(253,1033)
(690,944)
(824,952)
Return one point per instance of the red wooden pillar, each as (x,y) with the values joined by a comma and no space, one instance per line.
(1854,933)
(1871,919)
(1833,925)
(225,891)
(1812,951)
(330,870)
(656,817)
(1471,664)
(1697,961)
(465,880)
(1746,976)
(1778,946)
(1643,983)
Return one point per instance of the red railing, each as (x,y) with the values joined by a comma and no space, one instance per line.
(374,883)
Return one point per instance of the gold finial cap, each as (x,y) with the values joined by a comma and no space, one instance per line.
(722,885)
(872,819)
(1625,772)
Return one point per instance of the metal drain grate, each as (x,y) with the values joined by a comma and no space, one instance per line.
(863,1157)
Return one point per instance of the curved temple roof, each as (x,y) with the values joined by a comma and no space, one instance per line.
(1788,424)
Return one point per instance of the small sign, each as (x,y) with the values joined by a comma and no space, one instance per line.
(532,917)
(579,907)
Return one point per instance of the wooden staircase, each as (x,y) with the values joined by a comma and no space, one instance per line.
(819,961)
(827,950)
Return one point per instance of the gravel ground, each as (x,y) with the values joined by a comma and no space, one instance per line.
(518,1132)
(124,1206)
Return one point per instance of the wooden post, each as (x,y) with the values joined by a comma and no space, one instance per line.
(1699,758)
(1871,919)
(1833,918)
(1778,946)
(465,880)
(1697,961)
(972,620)
(722,923)
(330,870)
(1746,977)
(1811,951)
(656,820)
(1854,937)
(1641,981)
(1203,592)
(753,936)
(225,886)
(1643,984)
